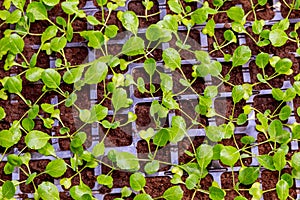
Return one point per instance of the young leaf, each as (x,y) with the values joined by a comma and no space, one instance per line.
(8,190)
(95,38)
(171,58)
(241,56)
(81,191)
(153,32)
(229,155)
(161,137)
(283,66)
(16,44)
(134,46)
(236,13)
(152,167)
(51,78)
(56,168)
(137,181)
(173,193)
(127,161)
(95,73)
(13,84)
(285,112)
(105,180)
(130,21)
(118,94)
(278,37)
(48,190)
(36,139)
(204,155)
(58,43)
(51,2)
(262,59)
(73,75)
(34,74)
(279,160)
(10,137)
(282,190)
(248,175)
(150,66)
(143,197)
(2,113)
(98,149)
(38,10)
(296,161)
(237,93)
(215,193)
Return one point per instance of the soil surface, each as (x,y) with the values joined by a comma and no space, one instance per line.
(285,10)
(185,145)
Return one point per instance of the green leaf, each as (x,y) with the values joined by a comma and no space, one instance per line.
(237,93)
(70,7)
(203,57)
(248,139)
(153,32)
(266,161)
(56,168)
(229,155)
(34,74)
(150,66)
(13,84)
(10,137)
(204,155)
(282,189)
(51,2)
(58,43)
(279,160)
(48,190)
(257,26)
(173,193)
(105,180)
(214,133)
(99,111)
(73,75)
(111,31)
(96,73)
(49,33)
(137,181)
(127,161)
(236,13)
(171,58)
(152,167)
(216,193)
(169,22)
(130,21)
(134,46)
(95,38)
(248,175)
(143,197)
(51,78)
(118,94)
(30,178)
(2,113)
(262,59)
(278,37)
(13,17)
(296,161)
(16,44)
(288,178)
(98,149)
(178,129)
(283,66)
(36,139)
(174,6)
(8,190)
(285,112)
(192,181)
(79,191)
(161,137)
(241,56)
(38,10)
(209,28)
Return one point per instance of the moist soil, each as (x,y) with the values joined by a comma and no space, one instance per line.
(285,10)
(188,106)
(43,60)
(222,17)
(75,55)
(236,77)
(226,110)
(296,105)
(262,12)
(193,40)
(163,154)
(139,9)
(121,136)
(226,183)
(269,180)
(198,85)
(140,72)
(144,119)
(219,34)
(100,94)
(3,176)
(37,166)
(230,142)
(185,145)
(156,186)
(113,20)
(114,196)
(205,184)
(276,82)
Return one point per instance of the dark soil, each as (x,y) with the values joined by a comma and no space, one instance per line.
(4,176)
(75,55)
(188,106)
(144,119)
(140,72)
(163,154)
(43,59)
(205,184)
(100,94)
(38,27)
(276,82)
(224,106)
(121,136)
(87,175)
(156,186)
(269,180)
(226,182)
(139,9)
(113,20)
(65,196)
(193,39)
(296,105)
(264,148)
(236,77)
(185,145)
(229,49)
(262,12)
(198,85)
(285,10)
(114,196)
(230,142)
(37,166)
(222,17)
